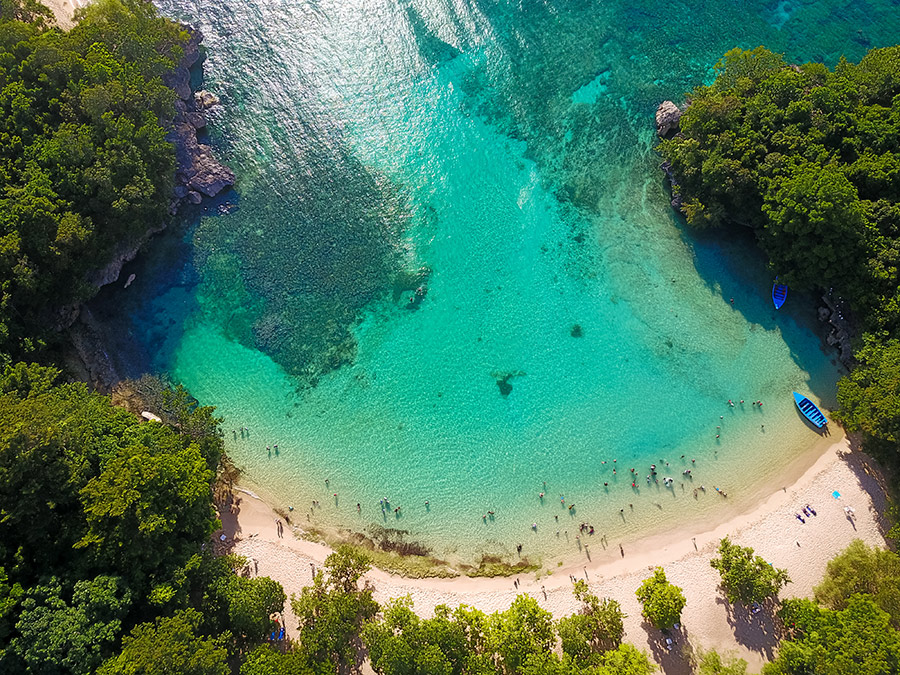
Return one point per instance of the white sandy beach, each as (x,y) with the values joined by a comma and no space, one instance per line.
(771,528)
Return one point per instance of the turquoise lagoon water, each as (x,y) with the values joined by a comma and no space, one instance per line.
(499,156)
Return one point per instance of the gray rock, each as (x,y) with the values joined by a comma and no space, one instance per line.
(196,119)
(179,78)
(841,327)
(194,197)
(196,168)
(668,116)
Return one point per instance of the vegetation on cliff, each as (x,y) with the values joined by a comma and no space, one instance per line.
(810,159)
(84,161)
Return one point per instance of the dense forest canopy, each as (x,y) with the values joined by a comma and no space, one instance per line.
(810,159)
(84,161)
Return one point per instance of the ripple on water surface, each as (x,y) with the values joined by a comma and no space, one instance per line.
(454,277)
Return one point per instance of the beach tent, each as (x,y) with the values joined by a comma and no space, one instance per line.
(836,494)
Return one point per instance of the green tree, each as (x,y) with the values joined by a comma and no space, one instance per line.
(10,595)
(870,395)
(402,643)
(55,636)
(266,660)
(597,628)
(248,605)
(147,510)
(26,11)
(859,569)
(625,660)
(169,645)
(523,629)
(746,577)
(816,232)
(662,602)
(857,639)
(332,611)
(85,166)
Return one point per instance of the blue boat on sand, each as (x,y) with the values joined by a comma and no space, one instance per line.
(779,294)
(810,411)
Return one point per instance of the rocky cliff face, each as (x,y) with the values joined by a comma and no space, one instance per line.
(668,118)
(840,327)
(197,174)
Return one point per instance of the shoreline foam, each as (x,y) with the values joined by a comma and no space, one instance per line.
(770,527)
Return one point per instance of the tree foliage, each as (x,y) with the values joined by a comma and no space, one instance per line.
(266,660)
(870,394)
(402,643)
(662,602)
(520,639)
(86,486)
(746,577)
(712,663)
(169,645)
(60,636)
(332,611)
(856,639)
(597,628)
(874,572)
(109,509)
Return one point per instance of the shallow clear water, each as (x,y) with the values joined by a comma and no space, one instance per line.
(499,156)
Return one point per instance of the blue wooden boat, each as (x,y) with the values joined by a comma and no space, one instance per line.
(810,411)
(779,294)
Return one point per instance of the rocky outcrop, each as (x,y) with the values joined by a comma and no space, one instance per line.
(197,171)
(838,320)
(677,201)
(668,116)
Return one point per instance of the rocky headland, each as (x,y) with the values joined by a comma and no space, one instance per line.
(832,311)
(198,174)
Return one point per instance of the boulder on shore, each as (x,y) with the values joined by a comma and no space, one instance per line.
(668,115)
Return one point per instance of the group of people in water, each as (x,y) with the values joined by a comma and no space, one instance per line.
(584,528)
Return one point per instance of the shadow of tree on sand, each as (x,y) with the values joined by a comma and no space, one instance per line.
(760,632)
(871,478)
(675,661)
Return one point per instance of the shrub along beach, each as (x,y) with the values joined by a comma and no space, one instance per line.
(126,547)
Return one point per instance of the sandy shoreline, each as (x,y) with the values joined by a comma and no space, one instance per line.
(771,528)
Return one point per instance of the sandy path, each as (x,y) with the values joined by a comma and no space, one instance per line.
(771,528)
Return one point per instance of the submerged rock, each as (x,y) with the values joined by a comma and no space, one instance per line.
(668,115)
(503,381)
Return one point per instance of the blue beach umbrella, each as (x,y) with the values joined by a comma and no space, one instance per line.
(836,494)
